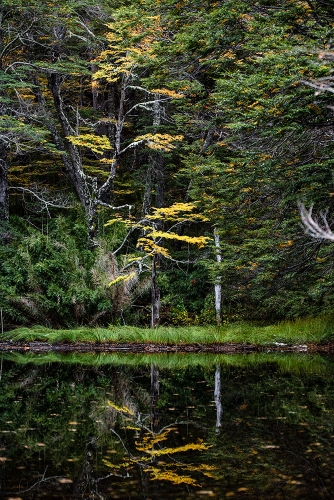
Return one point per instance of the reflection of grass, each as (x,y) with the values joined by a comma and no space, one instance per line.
(288,362)
(313,330)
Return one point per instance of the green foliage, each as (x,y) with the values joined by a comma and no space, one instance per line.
(172,102)
(47,278)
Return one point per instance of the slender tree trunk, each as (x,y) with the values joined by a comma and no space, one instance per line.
(147,201)
(218,286)
(4,207)
(158,168)
(155,312)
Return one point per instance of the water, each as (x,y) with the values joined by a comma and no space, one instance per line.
(166,427)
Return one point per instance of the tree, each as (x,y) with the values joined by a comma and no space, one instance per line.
(152,244)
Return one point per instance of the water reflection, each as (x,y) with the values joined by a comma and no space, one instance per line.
(179,427)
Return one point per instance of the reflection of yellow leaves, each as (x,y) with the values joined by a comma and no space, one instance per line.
(152,439)
(115,466)
(178,449)
(122,409)
(175,472)
(166,475)
(203,468)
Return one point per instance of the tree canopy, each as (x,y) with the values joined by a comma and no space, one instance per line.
(120,111)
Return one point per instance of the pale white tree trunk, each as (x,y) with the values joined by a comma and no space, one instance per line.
(155,314)
(218,286)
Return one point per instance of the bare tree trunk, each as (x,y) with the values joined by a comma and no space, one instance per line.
(155,314)
(4,208)
(218,286)
(85,186)
(147,201)
(158,169)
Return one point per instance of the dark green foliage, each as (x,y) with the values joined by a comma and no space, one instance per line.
(47,277)
(256,140)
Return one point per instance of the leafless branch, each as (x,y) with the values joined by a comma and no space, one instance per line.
(319,85)
(314,228)
(45,198)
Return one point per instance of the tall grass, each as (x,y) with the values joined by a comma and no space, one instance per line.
(300,331)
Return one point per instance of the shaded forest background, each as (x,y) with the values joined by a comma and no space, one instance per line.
(164,146)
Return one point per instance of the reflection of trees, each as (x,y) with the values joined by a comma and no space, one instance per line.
(154,395)
(152,448)
(275,437)
(149,451)
(217,396)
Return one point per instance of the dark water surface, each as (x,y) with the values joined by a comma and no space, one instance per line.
(166,426)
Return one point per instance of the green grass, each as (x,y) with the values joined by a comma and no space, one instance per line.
(300,331)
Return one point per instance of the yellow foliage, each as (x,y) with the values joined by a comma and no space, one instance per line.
(174,213)
(162,142)
(95,143)
(150,247)
(122,409)
(107,161)
(122,279)
(287,244)
(200,241)
(126,222)
(169,93)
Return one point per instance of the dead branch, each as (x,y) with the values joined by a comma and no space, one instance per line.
(314,228)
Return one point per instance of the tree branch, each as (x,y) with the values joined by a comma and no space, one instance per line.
(313,227)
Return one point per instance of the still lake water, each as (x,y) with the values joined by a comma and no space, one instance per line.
(254,426)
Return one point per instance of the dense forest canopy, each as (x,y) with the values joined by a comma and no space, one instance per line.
(156,149)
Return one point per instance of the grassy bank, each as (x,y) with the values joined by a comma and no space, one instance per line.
(301,331)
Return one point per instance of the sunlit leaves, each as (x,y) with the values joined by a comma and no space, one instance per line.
(200,241)
(122,279)
(176,212)
(97,144)
(159,142)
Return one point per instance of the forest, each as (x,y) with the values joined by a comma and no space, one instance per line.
(154,155)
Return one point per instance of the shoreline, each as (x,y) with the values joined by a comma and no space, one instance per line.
(224,348)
